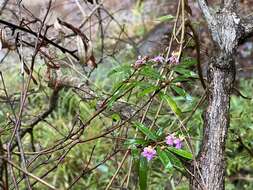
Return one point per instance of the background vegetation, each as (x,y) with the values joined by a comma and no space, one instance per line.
(68,149)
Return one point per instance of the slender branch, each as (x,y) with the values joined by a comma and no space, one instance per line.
(118,169)
(30,174)
(14,27)
(207,12)
(250,151)
(52,105)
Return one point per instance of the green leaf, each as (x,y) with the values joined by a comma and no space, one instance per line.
(118,92)
(185,72)
(164,159)
(113,99)
(147,90)
(130,142)
(146,131)
(143,173)
(150,73)
(160,131)
(172,104)
(165,18)
(181,79)
(179,90)
(181,153)
(124,69)
(117,87)
(135,153)
(188,62)
(174,160)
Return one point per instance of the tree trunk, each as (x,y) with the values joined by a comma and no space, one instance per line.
(227,30)
(210,173)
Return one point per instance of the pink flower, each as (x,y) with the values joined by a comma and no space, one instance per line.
(140,61)
(158,59)
(174,59)
(170,140)
(178,143)
(149,153)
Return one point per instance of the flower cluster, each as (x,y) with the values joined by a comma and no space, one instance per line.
(171,140)
(142,60)
(158,59)
(174,59)
(150,152)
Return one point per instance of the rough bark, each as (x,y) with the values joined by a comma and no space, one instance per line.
(227,30)
(211,160)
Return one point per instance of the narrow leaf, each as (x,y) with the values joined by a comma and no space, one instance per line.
(164,159)
(134,142)
(150,73)
(174,160)
(124,69)
(146,131)
(185,72)
(179,91)
(181,153)
(147,91)
(143,173)
(172,104)
(165,18)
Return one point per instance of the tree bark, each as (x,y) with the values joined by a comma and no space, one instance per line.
(209,173)
(227,29)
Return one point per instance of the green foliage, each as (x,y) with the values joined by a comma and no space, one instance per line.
(146,131)
(143,173)
(180,152)
(172,104)
(165,159)
(134,86)
(165,18)
(133,105)
(239,145)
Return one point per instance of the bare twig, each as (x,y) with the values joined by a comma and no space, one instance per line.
(30,174)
